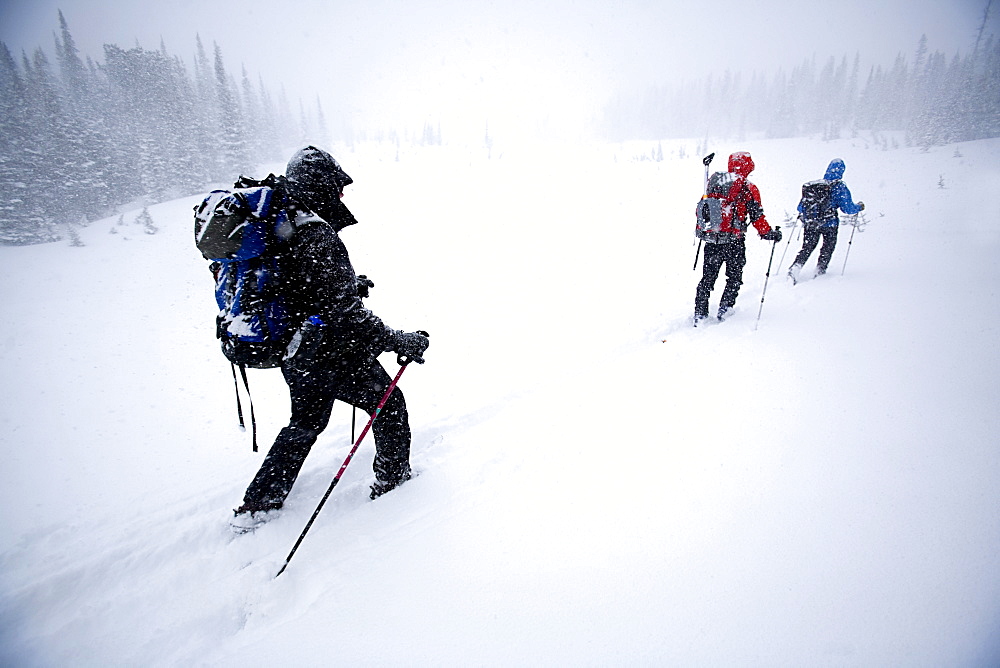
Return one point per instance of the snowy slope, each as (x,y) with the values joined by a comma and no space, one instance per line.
(601,484)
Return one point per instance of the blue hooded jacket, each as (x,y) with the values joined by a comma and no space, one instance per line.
(840,194)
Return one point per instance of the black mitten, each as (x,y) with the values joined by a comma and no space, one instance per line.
(773,235)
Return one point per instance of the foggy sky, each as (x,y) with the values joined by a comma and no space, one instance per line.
(513,64)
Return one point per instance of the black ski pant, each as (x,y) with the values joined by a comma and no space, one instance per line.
(734,255)
(810,238)
(313,393)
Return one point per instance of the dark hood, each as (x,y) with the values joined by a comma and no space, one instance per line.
(317,181)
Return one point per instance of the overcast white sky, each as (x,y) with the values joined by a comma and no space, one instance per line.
(466,62)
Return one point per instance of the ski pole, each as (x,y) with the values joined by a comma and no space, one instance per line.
(764,291)
(782,260)
(849,242)
(403,361)
(707,160)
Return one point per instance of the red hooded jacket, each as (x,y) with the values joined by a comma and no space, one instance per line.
(744,199)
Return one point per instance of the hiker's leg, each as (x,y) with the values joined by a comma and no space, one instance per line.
(736,259)
(709,274)
(391,428)
(312,396)
(810,237)
(826,251)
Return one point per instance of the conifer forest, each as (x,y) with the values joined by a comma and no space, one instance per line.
(80,140)
(932,100)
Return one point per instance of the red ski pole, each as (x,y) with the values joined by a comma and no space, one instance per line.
(403,361)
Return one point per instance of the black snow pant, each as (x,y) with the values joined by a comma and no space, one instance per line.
(734,256)
(810,238)
(313,394)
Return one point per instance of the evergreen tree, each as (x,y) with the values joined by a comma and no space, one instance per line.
(252,117)
(73,72)
(285,122)
(146,220)
(22,214)
(49,171)
(305,132)
(323,133)
(204,135)
(850,101)
(983,92)
(190,171)
(269,136)
(782,120)
(85,149)
(234,146)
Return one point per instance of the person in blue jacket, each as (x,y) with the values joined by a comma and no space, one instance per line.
(824,224)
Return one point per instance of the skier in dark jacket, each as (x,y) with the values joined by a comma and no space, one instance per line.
(339,360)
(827,226)
(729,246)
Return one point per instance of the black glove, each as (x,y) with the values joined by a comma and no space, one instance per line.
(861,205)
(773,235)
(363,284)
(412,345)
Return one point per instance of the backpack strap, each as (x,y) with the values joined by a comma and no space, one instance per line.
(239,406)
(285,208)
(737,191)
(831,211)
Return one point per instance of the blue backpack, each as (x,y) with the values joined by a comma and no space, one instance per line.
(236,230)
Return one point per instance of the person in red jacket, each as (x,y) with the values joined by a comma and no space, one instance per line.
(741,207)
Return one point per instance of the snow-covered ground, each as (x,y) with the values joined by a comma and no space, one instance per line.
(600,483)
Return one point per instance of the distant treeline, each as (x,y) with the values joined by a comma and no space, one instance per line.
(80,138)
(936,100)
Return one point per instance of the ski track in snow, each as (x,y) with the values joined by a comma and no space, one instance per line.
(599,481)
